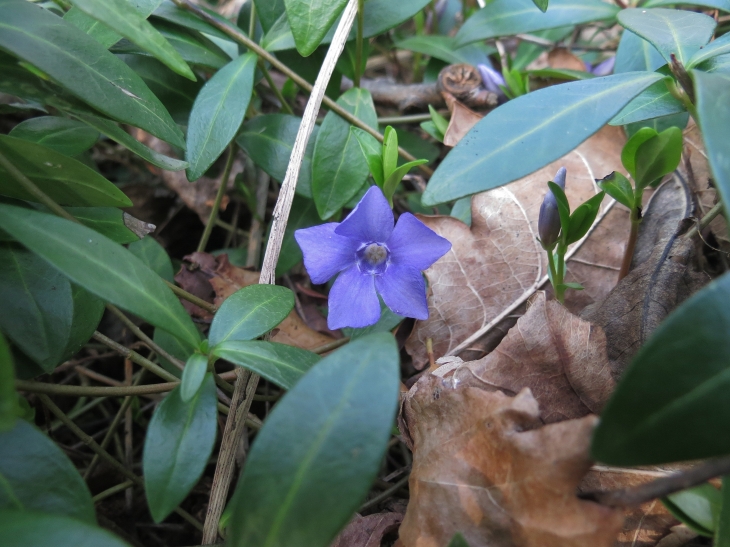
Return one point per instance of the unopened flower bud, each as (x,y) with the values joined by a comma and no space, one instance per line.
(548,223)
(491,79)
(603,68)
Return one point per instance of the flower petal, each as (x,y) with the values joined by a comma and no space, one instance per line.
(353,301)
(325,252)
(404,291)
(414,244)
(371,221)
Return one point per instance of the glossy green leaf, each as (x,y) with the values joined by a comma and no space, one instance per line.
(63,135)
(541,4)
(218,112)
(658,156)
(82,66)
(714,4)
(168,11)
(390,151)
(65,180)
(698,508)
(721,64)
(193,375)
(441,123)
(690,352)
(628,153)
(108,221)
(444,49)
(269,11)
(37,476)
(268,141)
(583,218)
(177,446)
(387,322)
(392,182)
(338,166)
(560,74)
(281,364)
(458,540)
(9,408)
(528,52)
(125,20)
(101,32)
(634,53)
(310,20)
(335,423)
(529,132)
(250,312)
(509,17)
(462,210)
(303,215)
(372,151)
(722,533)
(654,102)
(34,529)
(174,346)
(677,32)
(154,256)
(87,313)
(713,110)
(100,266)
(619,188)
(720,46)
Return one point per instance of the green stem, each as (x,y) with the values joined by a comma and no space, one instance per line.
(252,21)
(631,245)
(560,273)
(386,494)
(111,491)
(134,357)
(331,345)
(358,43)
(284,104)
(185,295)
(218,199)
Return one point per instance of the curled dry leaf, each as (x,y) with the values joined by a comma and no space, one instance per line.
(483,465)
(462,120)
(368,531)
(496,265)
(564,59)
(560,357)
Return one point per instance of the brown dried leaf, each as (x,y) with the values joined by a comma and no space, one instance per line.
(560,357)
(483,466)
(563,59)
(497,264)
(461,122)
(368,531)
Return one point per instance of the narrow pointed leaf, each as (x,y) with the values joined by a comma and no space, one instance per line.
(583,218)
(218,112)
(177,446)
(103,34)
(9,407)
(722,534)
(310,20)
(153,255)
(541,4)
(508,17)
(372,151)
(101,266)
(677,32)
(394,179)
(168,11)
(36,529)
(37,476)
(721,46)
(193,375)
(250,312)
(63,135)
(444,48)
(529,132)
(83,67)
(108,221)
(65,180)
(653,102)
(335,422)
(124,19)
(281,364)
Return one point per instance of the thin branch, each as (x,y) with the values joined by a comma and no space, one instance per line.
(218,199)
(185,295)
(134,357)
(111,491)
(331,345)
(705,221)
(385,495)
(93,391)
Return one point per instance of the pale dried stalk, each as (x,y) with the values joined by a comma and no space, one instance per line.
(539,282)
(246,382)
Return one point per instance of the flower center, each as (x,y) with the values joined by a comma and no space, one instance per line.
(373,258)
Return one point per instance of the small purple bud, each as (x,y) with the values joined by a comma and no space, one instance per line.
(491,78)
(441,8)
(604,68)
(548,223)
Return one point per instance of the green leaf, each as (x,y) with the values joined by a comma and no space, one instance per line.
(372,151)
(634,53)
(154,256)
(720,46)
(218,112)
(125,20)
(177,446)
(462,210)
(444,49)
(33,529)
(583,218)
(653,102)
(387,322)
(715,4)
(175,347)
(430,128)
(698,508)
(390,151)
(281,364)
(168,11)
(193,375)
(269,11)
(574,286)
(335,422)
(65,136)
(628,153)
(396,176)
(87,313)
(509,17)
(108,221)
(66,181)
(310,20)
(82,66)
(563,206)
(100,266)
(441,123)
(527,133)
(722,532)
(9,407)
(677,32)
(541,4)
(458,540)
(101,32)
(37,476)
(338,166)
(38,306)
(658,156)
(690,353)
(619,188)
(713,110)
(250,312)
(268,141)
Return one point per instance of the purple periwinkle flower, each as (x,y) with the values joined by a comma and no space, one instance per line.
(491,79)
(548,223)
(604,68)
(373,258)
